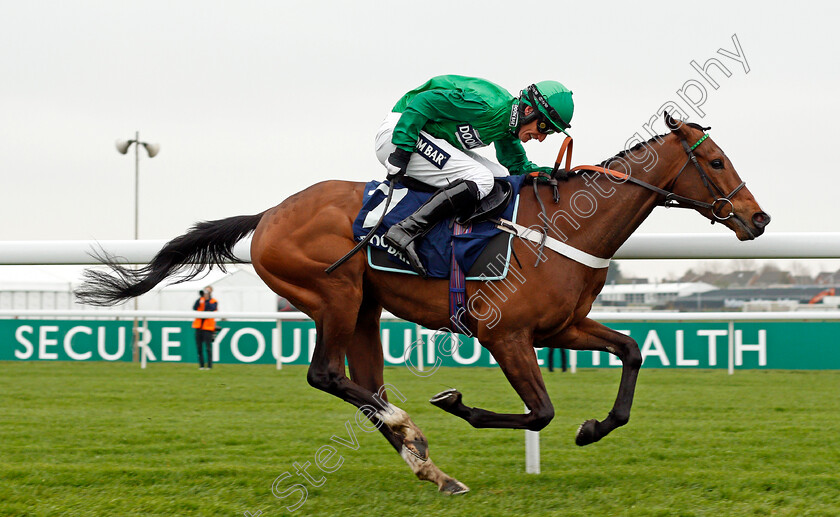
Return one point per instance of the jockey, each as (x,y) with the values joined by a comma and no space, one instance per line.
(432,130)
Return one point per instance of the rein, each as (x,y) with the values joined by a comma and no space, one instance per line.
(671,200)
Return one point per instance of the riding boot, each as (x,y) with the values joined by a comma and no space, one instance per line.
(458,198)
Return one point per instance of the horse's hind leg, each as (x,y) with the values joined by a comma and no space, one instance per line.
(346,326)
(591,335)
(366,363)
(290,249)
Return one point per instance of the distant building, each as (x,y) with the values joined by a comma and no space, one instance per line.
(828,278)
(633,280)
(771,277)
(737,299)
(802,280)
(649,294)
(722,280)
(737,279)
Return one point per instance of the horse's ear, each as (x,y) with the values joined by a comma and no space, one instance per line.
(672,123)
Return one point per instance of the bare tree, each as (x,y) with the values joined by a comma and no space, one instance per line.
(799,268)
(743,264)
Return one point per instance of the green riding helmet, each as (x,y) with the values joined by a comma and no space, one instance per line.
(553,105)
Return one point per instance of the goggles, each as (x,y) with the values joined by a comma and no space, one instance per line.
(545,126)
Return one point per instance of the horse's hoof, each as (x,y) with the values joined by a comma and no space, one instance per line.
(454,487)
(586,433)
(446,399)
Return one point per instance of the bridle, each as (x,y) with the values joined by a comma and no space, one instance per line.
(720,201)
(671,200)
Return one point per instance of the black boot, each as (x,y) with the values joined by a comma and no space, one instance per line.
(455,199)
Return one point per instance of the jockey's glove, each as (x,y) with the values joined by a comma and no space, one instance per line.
(397,163)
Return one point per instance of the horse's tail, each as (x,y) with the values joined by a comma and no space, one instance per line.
(208,243)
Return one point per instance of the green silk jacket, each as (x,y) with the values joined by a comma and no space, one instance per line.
(468,113)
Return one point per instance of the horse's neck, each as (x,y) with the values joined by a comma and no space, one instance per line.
(619,209)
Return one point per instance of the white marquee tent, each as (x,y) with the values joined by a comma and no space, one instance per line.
(50,287)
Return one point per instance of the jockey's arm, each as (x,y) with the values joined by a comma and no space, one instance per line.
(511,155)
(435,105)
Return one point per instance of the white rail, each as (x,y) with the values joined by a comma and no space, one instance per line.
(643,246)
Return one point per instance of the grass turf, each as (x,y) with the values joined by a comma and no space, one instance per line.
(111,439)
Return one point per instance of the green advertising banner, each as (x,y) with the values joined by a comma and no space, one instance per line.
(762,345)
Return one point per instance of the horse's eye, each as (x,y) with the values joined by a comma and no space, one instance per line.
(716,164)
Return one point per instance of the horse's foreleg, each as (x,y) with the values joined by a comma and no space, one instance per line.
(591,335)
(518,361)
(366,363)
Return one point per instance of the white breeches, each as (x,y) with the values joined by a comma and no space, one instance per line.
(438,163)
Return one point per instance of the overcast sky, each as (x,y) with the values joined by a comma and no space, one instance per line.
(253,101)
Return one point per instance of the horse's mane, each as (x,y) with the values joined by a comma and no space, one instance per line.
(638,146)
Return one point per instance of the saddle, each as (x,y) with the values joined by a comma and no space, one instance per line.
(466,238)
(491,205)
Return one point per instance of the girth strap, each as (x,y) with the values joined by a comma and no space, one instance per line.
(541,239)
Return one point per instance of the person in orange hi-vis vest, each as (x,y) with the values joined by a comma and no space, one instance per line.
(205,327)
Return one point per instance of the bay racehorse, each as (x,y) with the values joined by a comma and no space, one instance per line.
(295,241)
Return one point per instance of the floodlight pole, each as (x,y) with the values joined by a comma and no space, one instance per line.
(152,150)
(136,190)
(135,329)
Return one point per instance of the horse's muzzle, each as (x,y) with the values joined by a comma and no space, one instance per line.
(759,221)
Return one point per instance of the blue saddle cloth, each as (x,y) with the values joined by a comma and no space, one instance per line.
(436,248)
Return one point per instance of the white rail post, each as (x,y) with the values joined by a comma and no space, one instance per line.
(532,450)
(731,346)
(419,340)
(141,347)
(419,351)
(279,343)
